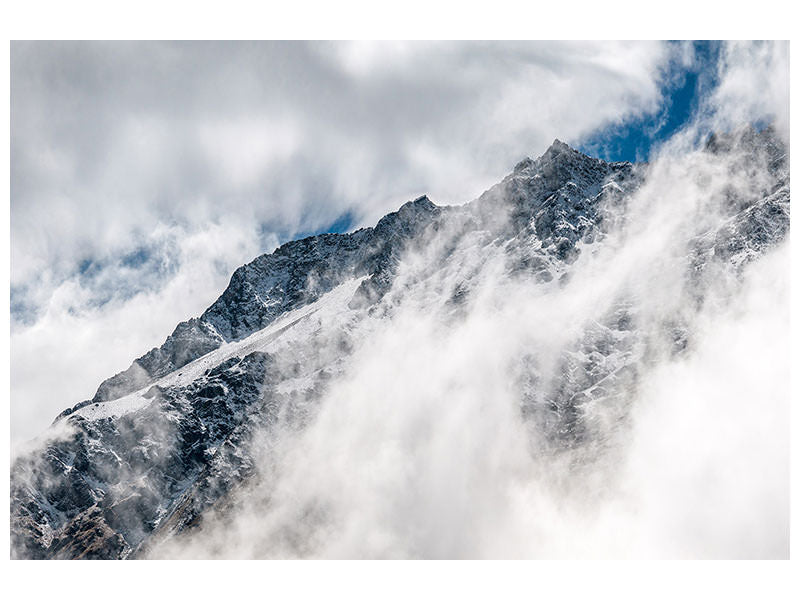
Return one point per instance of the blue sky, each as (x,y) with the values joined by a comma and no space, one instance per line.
(682,89)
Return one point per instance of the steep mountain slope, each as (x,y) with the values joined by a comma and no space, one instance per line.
(171,439)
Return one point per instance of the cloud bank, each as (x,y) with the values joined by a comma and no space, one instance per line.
(419,449)
(142,174)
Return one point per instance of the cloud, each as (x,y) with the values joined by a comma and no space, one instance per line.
(709,461)
(116,137)
(746,67)
(114,144)
(418,450)
(77,342)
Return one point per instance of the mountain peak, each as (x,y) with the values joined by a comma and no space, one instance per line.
(559,148)
(423,202)
(556,149)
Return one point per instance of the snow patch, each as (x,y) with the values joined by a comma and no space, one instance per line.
(291,326)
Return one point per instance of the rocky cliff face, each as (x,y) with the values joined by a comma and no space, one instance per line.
(171,438)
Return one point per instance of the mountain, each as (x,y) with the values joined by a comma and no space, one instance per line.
(177,435)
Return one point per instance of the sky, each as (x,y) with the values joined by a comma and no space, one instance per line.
(682,90)
(143,174)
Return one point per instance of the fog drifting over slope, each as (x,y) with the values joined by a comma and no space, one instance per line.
(143,174)
(420,448)
(421,452)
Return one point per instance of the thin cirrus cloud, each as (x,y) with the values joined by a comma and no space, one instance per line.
(144,173)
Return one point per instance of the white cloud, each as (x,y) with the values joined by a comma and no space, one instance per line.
(113,142)
(419,450)
(709,461)
(754,84)
(244,148)
(75,344)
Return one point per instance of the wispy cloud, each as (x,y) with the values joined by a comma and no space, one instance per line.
(418,450)
(119,148)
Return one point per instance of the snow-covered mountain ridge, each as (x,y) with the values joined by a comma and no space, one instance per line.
(173,438)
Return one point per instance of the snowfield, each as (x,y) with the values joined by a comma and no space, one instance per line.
(294,325)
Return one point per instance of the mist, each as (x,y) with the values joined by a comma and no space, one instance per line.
(200,156)
(433,443)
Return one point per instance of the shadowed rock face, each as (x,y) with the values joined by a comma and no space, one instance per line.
(113,485)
